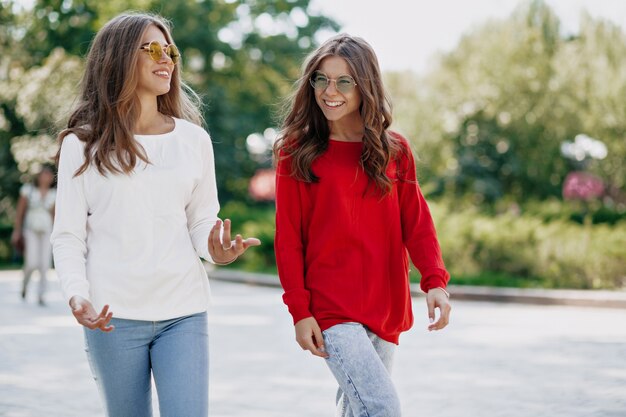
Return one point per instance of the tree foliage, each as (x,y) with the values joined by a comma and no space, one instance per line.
(490,118)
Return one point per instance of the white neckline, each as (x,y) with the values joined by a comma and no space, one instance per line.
(160,134)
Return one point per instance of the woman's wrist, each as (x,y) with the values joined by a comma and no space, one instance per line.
(442,289)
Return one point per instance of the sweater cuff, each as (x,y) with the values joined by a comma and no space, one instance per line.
(299,314)
(78,286)
(298,302)
(434,281)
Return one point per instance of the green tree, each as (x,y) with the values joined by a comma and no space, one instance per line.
(491,116)
(495,87)
(9,121)
(590,69)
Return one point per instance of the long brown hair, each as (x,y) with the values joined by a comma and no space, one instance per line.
(108,107)
(305,130)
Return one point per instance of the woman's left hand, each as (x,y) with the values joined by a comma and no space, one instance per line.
(438,298)
(222,249)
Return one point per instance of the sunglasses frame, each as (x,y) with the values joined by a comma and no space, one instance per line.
(339,87)
(170,50)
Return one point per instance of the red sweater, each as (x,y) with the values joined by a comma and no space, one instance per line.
(342,253)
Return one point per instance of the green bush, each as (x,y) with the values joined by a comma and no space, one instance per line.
(555,254)
(253,221)
(576,256)
(575,211)
(7,253)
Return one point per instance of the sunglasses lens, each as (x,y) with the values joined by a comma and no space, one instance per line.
(319,81)
(345,84)
(155,51)
(173,53)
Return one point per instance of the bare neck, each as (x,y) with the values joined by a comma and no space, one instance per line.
(347,130)
(150,120)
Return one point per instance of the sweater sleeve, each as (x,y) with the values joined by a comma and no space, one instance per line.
(418,230)
(69,235)
(288,243)
(204,206)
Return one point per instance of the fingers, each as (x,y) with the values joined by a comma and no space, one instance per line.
(308,343)
(226,243)
(251,241)
(222,249)
(215,244)
(86,316)
(103,320)
(309,337)
(238,245)
(319,343)
(220,254)
(430,303)
(444,318)
(241,245)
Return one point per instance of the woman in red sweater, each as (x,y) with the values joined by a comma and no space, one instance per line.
(349,212)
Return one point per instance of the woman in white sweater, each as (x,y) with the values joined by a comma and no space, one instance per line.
(136,209)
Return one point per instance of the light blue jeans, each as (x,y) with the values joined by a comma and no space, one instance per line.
(174,351)
(361,363)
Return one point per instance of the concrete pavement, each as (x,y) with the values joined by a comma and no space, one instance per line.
(495,359)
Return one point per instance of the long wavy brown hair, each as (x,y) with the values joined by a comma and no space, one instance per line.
(305,131)
(108,107)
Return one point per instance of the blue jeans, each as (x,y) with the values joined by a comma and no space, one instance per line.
(361,364)
(174,351)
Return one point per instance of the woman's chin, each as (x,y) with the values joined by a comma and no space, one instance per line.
(163,91)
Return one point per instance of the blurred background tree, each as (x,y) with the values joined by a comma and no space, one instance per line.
(489,119)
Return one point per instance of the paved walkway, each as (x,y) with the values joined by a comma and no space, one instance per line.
(494,360)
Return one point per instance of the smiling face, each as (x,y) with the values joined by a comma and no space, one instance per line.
(338,108)
(153,77)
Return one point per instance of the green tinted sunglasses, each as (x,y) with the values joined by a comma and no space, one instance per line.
(320,81)
(155,50)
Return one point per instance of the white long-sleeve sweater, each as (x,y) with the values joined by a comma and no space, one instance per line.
(134,241)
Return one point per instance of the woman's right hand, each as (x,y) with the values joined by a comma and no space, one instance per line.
(309,337)
(16,236)
(86,315)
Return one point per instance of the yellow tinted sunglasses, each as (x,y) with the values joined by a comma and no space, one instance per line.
(155,50)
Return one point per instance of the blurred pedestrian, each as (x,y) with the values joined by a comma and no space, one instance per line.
(33,225)
(348,209)
(137,208)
